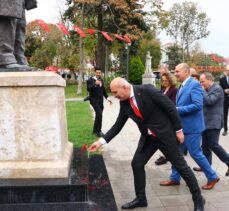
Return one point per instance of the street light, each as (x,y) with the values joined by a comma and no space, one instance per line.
(127,46)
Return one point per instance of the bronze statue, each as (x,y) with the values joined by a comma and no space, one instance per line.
(12,34)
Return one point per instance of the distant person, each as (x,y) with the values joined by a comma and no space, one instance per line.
(189,104)
(12,34)
(213,115)
(168,84)
(224,83)
(162,70)
(96,89)
(196,76)
(192,71)
(160,127)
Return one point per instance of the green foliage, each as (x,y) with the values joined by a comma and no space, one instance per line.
(44,56)
(151,44)
(186,23)
(174,56)
(136,70)
(80,123)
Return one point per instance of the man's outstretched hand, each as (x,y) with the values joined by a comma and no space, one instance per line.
(95,146)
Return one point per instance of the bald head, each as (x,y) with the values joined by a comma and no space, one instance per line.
(182,72)
(120,88)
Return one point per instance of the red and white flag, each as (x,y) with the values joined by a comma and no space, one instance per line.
(91,31)
(107,36)
(43,25)
(79,31)
(127,39)
(63,28)
(118,37)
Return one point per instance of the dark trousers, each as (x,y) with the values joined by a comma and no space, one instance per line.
(98,108)
(173,154)
(225,110)
(7,40)
(210,143)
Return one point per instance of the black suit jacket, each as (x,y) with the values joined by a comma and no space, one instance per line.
(223,83)
(158,111)
(96,92)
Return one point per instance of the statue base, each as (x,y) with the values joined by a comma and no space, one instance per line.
(149,78)
(33,127)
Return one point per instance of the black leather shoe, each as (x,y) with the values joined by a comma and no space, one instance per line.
(224,133)
(135,203)
(161,160)
(199,204)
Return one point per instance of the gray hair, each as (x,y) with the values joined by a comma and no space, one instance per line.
(208,76)
(184,66)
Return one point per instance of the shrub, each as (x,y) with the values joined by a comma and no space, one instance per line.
(136,70)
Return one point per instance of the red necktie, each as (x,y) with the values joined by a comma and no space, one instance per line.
(138,113)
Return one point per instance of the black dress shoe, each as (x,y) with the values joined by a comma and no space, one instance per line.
(199,204)
(224,133)
(135,203)
(161,160)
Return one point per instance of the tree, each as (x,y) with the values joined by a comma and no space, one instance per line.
(186,23)
(174,55)
(136,70)
(114,16)
(150,43)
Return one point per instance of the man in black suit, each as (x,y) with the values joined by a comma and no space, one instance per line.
(224,83)
(97,91)
(160,127)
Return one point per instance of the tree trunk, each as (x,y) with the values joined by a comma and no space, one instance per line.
(100,48)
(81,70)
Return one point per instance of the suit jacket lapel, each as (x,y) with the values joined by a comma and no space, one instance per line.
(184,89)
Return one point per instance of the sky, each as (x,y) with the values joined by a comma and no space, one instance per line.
(217,11)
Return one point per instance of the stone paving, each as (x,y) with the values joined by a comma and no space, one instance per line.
(118,155)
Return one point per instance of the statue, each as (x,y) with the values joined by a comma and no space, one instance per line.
(148,77)
(148,63)
(12,34)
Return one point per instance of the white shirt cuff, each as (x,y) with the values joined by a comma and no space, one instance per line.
(102,141)
(179,130)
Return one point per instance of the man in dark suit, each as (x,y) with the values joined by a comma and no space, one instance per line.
(160,127)
(224,83)
(97,91)
(213,116)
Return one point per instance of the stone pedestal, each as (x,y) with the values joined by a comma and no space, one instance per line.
(149,78)
(33,128)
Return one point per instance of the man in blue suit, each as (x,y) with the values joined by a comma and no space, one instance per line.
(189,104)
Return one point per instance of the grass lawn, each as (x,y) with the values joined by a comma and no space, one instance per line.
(80,123)
(71,90)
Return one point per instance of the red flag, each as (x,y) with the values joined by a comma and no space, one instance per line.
(62,27)
(91,31)
(118,37)
(127,39)
(107,36)
(43,25)
(79,31)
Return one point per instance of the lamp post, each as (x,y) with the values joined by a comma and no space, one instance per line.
(127,46)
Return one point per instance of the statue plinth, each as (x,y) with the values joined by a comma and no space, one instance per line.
(149,78)
(33,127)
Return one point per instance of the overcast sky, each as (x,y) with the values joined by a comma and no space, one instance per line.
(217,11)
